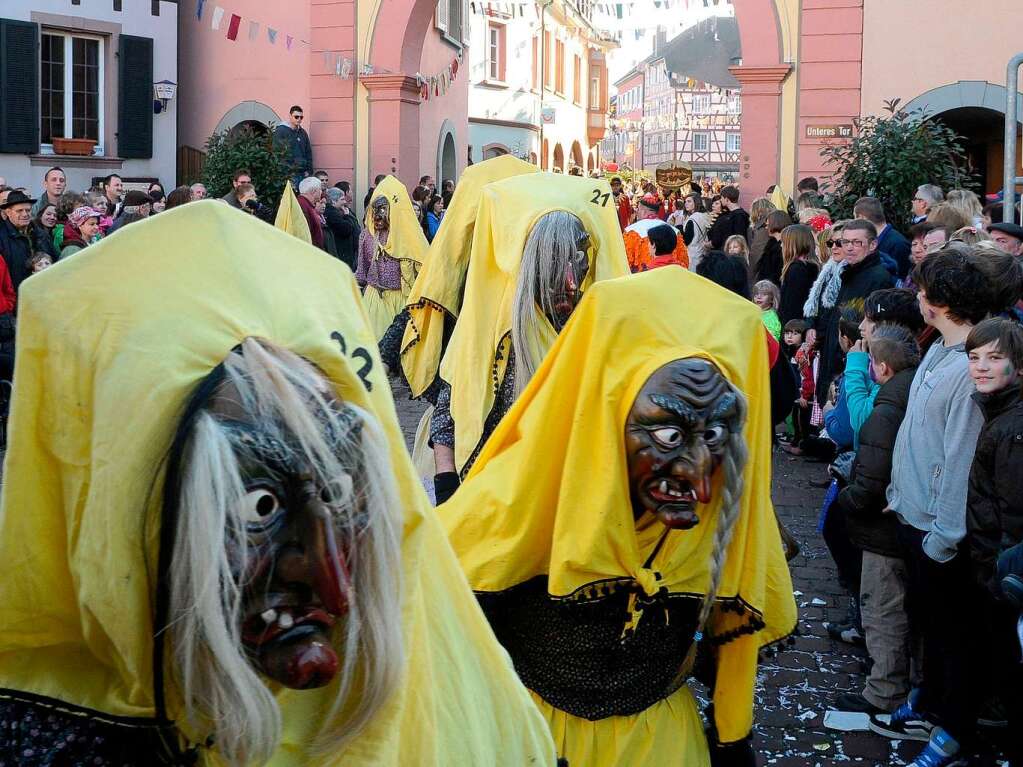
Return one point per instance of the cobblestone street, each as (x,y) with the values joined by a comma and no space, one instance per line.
(796,687)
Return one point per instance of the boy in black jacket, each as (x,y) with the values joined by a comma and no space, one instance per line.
(894,356)
(994,504)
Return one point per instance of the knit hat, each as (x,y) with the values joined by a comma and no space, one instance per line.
(80,215)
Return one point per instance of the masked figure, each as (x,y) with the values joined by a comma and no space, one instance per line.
(436,298)
(217,551)
(391,249)
(540,241)
(642,548)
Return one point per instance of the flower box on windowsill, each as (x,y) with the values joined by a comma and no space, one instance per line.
(79,147)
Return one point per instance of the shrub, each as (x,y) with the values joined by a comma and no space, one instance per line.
(890,157)
(227,151)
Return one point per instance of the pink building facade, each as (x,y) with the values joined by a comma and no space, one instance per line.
(377,79)
(811,67)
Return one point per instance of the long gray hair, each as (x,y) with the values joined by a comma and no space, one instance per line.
(222,693)
(546,261)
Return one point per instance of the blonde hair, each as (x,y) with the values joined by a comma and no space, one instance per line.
(222,692)
(546,260)
(797,242)
(743,245)
(947,216)
(970,235)
(759,210)
(966,202)
(768,288)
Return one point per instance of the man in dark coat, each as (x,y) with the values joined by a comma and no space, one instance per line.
(298,151)
(895,356)
(889,242)
(733,219)
(19,240)
(864,274)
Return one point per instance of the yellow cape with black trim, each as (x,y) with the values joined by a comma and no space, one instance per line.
(290,217)
(110,346)
(549,496)
(438,289)
(477,355)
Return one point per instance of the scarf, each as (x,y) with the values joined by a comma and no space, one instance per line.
(825,288)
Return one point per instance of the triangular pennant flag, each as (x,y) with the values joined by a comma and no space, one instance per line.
(199,5)
(218,15)
(232,28)
(271,35)
(253,30)
(337,64)
(288,41)
(346,68)
(327,64)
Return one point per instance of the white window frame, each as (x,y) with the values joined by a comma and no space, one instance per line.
(733,142)
(69,93)
(701,104)
(735,104)
(442,18)
(594,102)
(493,53)
(706,141)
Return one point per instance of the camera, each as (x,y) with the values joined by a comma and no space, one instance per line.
(258,209)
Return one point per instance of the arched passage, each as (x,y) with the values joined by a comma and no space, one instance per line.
(976,111)
(248,112)
(559,159)
(577,154)
(447,163)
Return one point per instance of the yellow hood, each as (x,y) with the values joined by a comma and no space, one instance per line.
(476,357)
(569,515)
(406,239)
(110,345)
(290,217)
(438,289)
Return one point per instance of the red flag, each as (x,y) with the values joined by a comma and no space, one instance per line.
(232,29)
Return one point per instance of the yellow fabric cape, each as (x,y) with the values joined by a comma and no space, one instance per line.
(549,493)
(779,198)
(290,217)
(438,290)
(110,346)
(477,354)
(406,239)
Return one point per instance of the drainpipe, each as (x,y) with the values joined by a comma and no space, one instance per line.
(541,156)
(1009,179)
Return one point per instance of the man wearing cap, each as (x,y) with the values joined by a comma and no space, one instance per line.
(1008,237)
(18,239)
(136,204)
(54,184)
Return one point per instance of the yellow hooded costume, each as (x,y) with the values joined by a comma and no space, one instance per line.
(545,515)
(438,290)
(110,346)
(405,244)
(477,355)
(290,217)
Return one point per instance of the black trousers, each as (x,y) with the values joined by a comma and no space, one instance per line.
(848,558)
(945,610)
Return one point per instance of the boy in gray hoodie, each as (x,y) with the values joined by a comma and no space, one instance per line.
(930,471)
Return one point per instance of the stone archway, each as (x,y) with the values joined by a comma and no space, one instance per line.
(248,112)
(577,154)
(558,165)
(761,74)
(447,163)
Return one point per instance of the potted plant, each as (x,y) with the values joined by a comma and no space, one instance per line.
(74,146)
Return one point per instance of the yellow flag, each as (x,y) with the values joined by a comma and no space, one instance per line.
(290,217)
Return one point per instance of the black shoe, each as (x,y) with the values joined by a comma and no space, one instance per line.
(853,701)
(849,633)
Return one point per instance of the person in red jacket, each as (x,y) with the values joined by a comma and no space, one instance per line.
(309,193)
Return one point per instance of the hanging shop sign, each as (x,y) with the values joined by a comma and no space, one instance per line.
(547,115)
(673,175)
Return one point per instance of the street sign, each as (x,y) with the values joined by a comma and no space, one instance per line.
(673,175)
(547,115)
(829,131)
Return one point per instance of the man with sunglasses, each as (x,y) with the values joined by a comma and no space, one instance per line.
(298,151)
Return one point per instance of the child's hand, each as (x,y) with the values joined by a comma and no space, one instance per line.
(859,346)
(801,402)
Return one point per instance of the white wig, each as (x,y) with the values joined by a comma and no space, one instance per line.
(222,692)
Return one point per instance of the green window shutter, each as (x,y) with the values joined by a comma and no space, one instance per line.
(19,84)
(135,97)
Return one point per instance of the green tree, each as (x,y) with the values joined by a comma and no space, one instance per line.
(890,157)
(227,152)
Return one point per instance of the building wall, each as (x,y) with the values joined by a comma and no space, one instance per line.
(99,17)
(451,109)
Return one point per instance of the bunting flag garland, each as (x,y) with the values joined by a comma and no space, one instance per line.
(253,30)
(288,41)
(232,28)
(218,15)
(439,84)
(271,35)
(199,5)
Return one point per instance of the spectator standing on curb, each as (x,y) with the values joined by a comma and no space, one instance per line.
(298,152)
(344,224)
(309,193)
(54,184)
(889,242)
(18,238)
(927,196)
(239,177)
(733,219)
